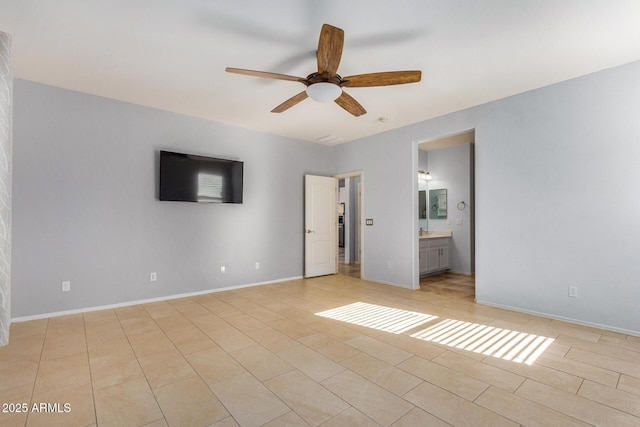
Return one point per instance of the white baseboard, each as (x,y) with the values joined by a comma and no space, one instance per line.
(562,318)
(382,282)
(146,301)
(464,273)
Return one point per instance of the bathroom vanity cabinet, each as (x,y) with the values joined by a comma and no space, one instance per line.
(434,254)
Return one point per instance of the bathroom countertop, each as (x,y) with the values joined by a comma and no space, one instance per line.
(434,234)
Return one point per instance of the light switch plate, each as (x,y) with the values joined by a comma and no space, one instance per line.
(369,221)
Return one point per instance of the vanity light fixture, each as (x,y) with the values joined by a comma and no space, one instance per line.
(424,176)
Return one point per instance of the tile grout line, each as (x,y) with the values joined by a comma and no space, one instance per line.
(93,391)
(35,380)
(155,398)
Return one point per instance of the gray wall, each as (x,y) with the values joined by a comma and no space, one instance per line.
(556,198)
(86,209)
(388,183)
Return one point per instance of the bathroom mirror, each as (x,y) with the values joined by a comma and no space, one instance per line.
(422,204)
(438,204)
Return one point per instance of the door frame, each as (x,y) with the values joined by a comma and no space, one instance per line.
(361,240)
(437,143)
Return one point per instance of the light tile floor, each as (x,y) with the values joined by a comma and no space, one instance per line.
(351,269)
(272,355)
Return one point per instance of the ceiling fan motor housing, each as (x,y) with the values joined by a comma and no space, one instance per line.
(323,88)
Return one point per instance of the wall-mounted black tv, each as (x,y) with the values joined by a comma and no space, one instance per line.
(191,178)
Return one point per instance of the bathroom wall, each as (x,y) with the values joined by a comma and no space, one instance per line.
(450,169)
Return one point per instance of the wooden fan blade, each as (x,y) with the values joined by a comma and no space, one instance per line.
(265,74)
(351,105)
(290,102)
(330,49)
(382,79)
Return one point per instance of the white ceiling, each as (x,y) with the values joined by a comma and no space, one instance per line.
(171,54)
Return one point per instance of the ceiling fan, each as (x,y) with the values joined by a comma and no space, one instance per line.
(325,84)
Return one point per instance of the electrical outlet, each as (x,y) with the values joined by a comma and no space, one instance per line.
(257,266)
(573,291)
(66,286)
(389,266)
(153,277)
(223,269)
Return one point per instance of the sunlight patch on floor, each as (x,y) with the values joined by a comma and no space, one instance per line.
(505,344)
(386,319)
(515,346)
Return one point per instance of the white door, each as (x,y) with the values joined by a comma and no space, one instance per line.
(320,222)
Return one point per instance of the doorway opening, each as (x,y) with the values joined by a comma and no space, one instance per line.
(446,166)
(350,224)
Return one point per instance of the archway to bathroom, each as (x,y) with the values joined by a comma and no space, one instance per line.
(446,206)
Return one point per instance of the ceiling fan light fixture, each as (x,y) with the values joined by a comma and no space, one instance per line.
(324,91)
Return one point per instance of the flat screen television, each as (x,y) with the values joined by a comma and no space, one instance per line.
(191,178)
